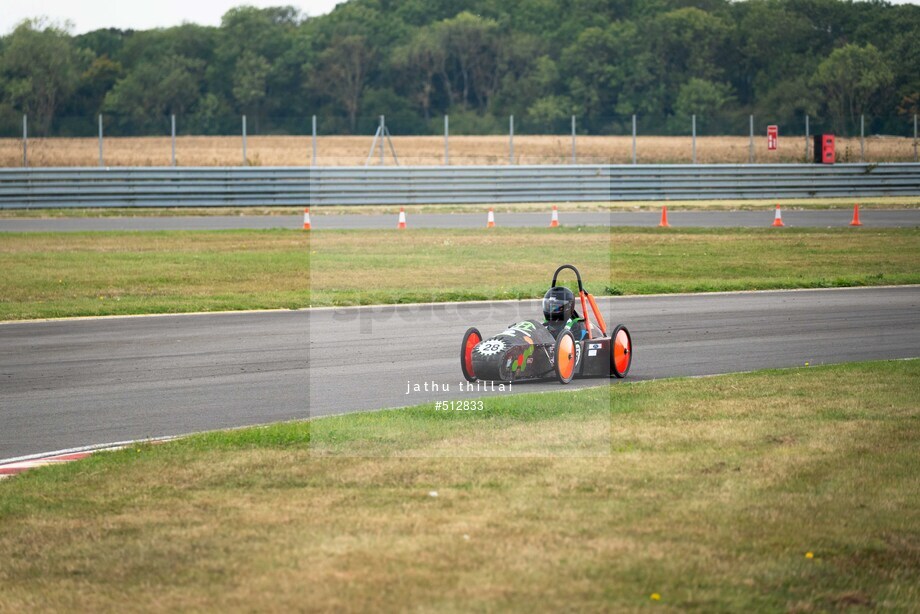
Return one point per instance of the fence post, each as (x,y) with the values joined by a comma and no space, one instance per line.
(574,151)
(25,141)
(245,158)
(634,138)
(751,146)
(694,138)
(862,138)
(313,159)
(172,122)
(511,140)
(446,140)
(383,136)
(101,157)
(806,137)
(915,137)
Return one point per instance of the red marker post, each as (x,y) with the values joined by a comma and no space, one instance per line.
(772,137)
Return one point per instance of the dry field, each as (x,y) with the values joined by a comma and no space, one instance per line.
(429,150)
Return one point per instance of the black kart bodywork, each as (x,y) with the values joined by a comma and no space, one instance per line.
(528,350)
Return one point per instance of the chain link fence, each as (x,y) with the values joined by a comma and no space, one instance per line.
(459,139)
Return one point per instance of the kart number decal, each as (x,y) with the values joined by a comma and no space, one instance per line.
(490,347)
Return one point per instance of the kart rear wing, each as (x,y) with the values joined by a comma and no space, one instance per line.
(585,300)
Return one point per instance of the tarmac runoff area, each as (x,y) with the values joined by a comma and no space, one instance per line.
(871,218)
(79,382)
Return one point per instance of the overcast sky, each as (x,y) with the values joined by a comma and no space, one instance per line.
(87,15)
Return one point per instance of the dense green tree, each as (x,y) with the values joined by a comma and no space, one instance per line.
(155,90)
(472,44)
(342,73)
(40,69)
(479,60)
(249,81)
(852,78)
(701,97)
(422,61)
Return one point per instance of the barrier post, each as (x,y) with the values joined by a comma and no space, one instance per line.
(573,140)
(862,138)
(751,146)
(511,140)
(383,136)
(446,140)
(806,137)
(634,138)
(313,159)
(694,138)
(172,123)
(915,137)
(101,158)
(25,140)
(245,160)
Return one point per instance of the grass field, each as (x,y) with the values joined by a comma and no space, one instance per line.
(429,150)
(880,202)
(78,274)
(793,490)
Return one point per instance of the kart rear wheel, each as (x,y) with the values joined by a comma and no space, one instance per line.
(470,340)
(564,362)
(621,352)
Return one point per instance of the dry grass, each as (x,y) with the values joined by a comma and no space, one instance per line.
(710,493)
(429,150)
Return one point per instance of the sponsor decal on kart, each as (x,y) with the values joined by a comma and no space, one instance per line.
(593,348)
(523,360)
(525,328)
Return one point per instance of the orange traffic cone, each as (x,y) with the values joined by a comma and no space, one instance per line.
(554,222)
(402,219)
(306,218)
(491,222)
(664,218)
(778,217)
(856,221)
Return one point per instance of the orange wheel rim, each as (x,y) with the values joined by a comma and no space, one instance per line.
(621,351)
(471,342)
(566,357)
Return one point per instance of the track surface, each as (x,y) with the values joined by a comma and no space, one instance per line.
(80,382)
(724,219)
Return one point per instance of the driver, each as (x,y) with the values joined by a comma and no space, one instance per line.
(559,313)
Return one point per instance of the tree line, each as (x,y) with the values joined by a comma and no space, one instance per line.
(480,61)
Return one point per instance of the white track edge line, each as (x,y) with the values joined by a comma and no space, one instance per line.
(90,448)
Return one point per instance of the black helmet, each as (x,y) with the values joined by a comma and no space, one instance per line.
(558,304)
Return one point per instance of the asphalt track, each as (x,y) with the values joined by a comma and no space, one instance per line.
(70,383)
(877,218)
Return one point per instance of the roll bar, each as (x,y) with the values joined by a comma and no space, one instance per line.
(581,287)
(586,299)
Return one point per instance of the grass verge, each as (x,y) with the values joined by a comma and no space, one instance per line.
(112,273)
(881,202)
(710,495)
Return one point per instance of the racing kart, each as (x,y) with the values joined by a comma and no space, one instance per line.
(528,350)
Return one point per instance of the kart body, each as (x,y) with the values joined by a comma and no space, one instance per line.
(528,350)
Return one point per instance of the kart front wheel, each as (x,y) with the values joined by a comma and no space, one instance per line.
(621,352)
(565,357)
(470,340)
